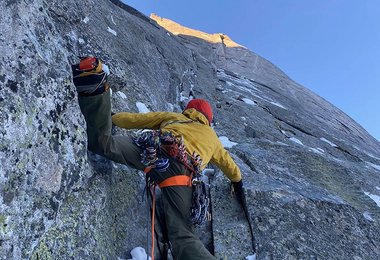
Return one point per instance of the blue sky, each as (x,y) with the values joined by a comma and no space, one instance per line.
(329,46)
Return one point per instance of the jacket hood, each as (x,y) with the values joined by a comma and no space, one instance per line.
(193,114)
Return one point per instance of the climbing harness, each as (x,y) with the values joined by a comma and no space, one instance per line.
(157,147)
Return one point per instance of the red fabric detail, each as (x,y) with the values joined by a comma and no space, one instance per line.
(88,63)
(202,106)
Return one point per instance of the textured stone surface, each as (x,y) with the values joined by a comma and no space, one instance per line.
(308,168)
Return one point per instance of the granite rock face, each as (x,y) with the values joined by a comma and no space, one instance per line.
(311,172)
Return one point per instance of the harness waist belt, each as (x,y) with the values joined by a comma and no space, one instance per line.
(178,180)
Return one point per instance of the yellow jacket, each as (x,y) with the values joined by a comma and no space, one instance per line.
(198,136)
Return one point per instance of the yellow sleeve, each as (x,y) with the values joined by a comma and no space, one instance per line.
(223,160)
(151,120)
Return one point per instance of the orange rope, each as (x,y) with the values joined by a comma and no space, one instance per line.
(153,217)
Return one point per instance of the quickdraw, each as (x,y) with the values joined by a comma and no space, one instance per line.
(151,157)
(200,208)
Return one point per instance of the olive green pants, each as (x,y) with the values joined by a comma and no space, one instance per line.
(176,200)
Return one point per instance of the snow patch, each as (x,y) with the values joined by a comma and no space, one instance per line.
(295,140)
(378,188)
(106,69)
(251,257)
(320,149)
(230,84)
(182,97)
(112,31)
(241,85)
(168,34)
(121,94)
(377,167)
(317,150)
(86,19)
(249,101)
(113,21)
(138,253)
(278,104)
(367,216)
(327,141)
(284,133)
(170,107)
(142,107)
(226,142)
(375,198)
(371,155)
(81,41)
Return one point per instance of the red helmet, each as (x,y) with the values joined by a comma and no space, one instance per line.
(202,106)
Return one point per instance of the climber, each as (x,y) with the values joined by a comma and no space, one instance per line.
(171,173)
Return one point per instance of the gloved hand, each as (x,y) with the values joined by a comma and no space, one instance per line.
(90,76)
(238,190)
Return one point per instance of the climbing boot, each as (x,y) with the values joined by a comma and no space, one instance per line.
(90,76)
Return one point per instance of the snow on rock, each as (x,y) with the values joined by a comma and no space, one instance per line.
(327,141)
(367,153)
(230,84)
(81,41)
(86,19)
(112,31)
(249,101)
(113,21)
(142,107)
(138,253)
(106,69)
(317,150)
(297,141)
(375,198)
(278,104)
(320,149)
(170,107)
(285,133)
(367,216)
(226,142)
(251,257)
(377,167)
(121,94)
(378,188)
(371,155)
(182,97)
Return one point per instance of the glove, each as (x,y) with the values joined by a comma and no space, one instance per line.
(239,191)
(90,76)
